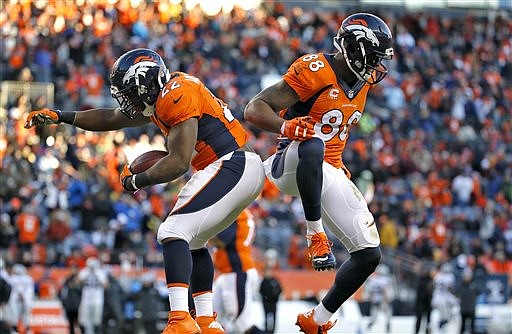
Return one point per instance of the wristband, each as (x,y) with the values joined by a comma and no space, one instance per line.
(132,182)
(67,117)
(142,181)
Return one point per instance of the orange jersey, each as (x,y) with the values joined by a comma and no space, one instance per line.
(28,227)
(236,255)
(332,104)
(184,97)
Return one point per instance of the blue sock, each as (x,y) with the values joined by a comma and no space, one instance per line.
(202,272)
(177,262)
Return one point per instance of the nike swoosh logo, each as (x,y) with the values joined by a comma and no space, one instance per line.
(296,72)
(177,100)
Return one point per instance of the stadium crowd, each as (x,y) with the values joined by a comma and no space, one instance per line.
(432,154)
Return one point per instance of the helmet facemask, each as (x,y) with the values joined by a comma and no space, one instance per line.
(129,101)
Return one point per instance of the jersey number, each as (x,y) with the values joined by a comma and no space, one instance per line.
(313,65)
(330,125)
(250,233)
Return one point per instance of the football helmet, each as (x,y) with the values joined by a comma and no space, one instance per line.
(136,80)
(365,40)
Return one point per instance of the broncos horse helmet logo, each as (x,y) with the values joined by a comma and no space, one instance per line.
(360,31)
(140,68)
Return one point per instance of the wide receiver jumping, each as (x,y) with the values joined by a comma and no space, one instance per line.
(318,100)
(228,177)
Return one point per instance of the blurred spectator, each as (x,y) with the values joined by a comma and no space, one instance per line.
(21,298)
(380,292)
(270,290)
(77,190)
(388,232)
(7,233)
(147,302)
(499,264)
(57,233)
(467,292)
(463,187)
(424,292)
(28,226)
(113,317)
(297,256)
(365,184)
(94,85)
(94,281)
(70,296)
(443,298)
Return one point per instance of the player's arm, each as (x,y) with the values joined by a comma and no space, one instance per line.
(262,111)
(181,143)
(98,119)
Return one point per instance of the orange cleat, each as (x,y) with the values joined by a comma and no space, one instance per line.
(320,253)
(209,325)
(309,326)
(180,322)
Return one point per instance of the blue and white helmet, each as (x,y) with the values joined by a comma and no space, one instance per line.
(136,80)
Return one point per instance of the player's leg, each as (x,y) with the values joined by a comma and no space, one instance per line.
(201,282)
(298,171)
(245,294)
(419,316)
(209,202)
(178,269)
(374,308)
(220,215)
(429,317)
(346,214)
(387,309)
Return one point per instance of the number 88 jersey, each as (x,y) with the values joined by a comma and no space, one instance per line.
(332,104)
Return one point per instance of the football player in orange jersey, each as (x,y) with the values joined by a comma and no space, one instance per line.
(318,100)
(237,282)
(200,131)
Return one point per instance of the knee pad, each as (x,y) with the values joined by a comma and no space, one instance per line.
(364,232)
(367,259)
(312,150)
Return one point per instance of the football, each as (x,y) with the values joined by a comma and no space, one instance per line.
(146,160)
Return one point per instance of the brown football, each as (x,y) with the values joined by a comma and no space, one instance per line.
(146,160)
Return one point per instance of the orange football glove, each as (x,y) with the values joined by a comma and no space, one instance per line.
(43,117)
(127,179)
(300,128)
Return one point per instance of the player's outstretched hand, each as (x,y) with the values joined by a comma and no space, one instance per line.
(127,179)
(300,128)
(43,117)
